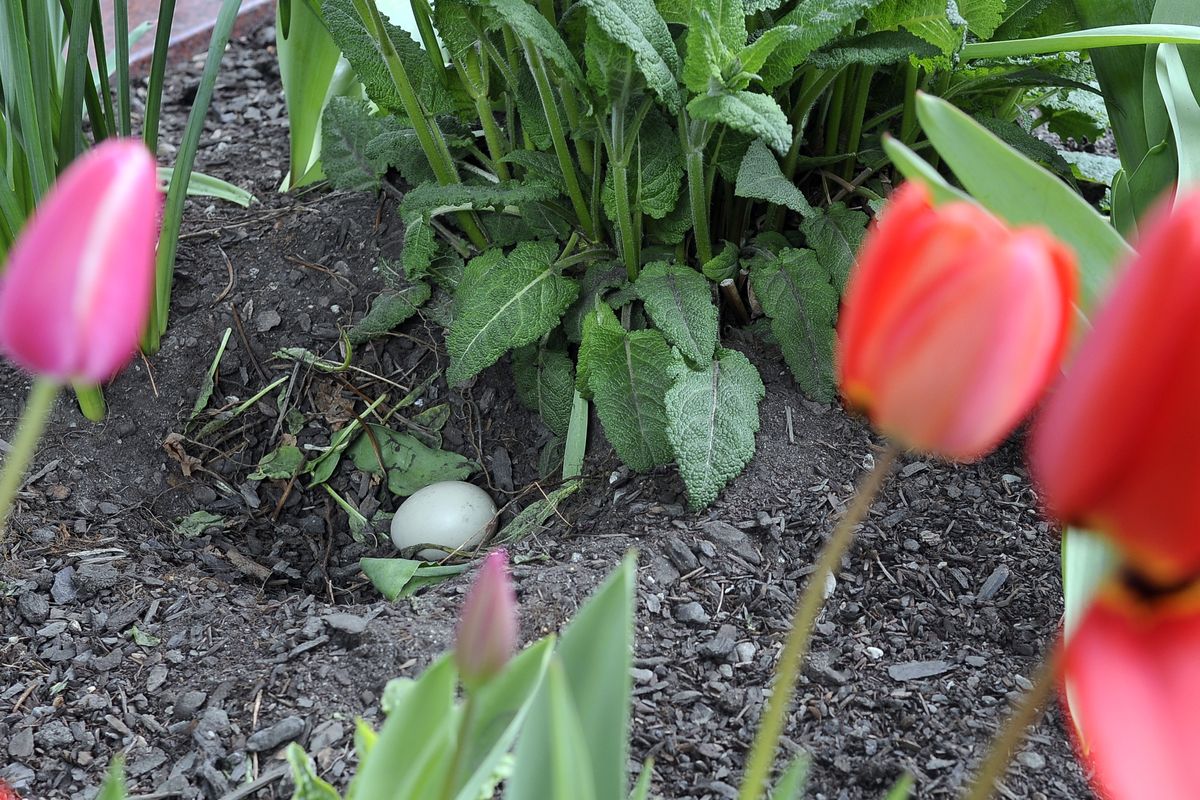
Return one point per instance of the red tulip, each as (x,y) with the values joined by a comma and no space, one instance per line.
(1115,449)
(76,292)
(1134,670)
(487,629)
(952,324)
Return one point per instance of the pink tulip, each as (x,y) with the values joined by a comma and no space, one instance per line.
(1134,667)
(7,792)
(487,629)
(952,324)
(75,294)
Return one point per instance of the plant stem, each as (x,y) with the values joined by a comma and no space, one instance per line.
(766,741)
(1025,714)
(857,113)
(558,136)
(695,136)
(834,114)
(908,119)
(433,144)
(29,431)
(810,92)
(91,401)
(422,15)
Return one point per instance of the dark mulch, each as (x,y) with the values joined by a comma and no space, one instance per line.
(937,620)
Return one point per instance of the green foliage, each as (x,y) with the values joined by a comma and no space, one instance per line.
(637,25)
(758,115)
(388,311)
(626,374)
(597,168)
(361,50)
(679,301)
(712,416)
(508,301)
(798,296)
(836,233)
(545,381)
(760,178)
(409,463)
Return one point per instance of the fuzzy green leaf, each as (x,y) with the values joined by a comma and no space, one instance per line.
(712,416)
(638,26)
(511,305)
(874,49)
(428,197)
(626,374)
(658,157)
(756,114)
(982,16)
(419,248)
(545,381)
(388,311)
(679,301)
(928,19)
(796,294)
(753,56)
(362,51)
(539,167)
(835,234)
(723,265)
(716,31)
(528,23)
(347,129)
(760,178)
(821,22)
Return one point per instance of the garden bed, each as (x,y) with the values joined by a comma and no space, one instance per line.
(200,657)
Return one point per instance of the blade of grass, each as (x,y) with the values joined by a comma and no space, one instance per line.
(576,444)
(173,216)
(1107,36)
(158,69)
(100,80)
(70,127)
(121,32)
(26,91)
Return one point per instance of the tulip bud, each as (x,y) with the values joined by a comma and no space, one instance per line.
(7,792)
(487,629)
(952,324)
(1114,450)
(1133,668)
(76,292)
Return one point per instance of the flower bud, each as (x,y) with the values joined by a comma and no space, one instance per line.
(487,629)
(952,324)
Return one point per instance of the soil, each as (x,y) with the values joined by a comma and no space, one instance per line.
(199,658)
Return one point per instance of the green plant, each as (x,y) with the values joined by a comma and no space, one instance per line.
(54,106)
(595,186)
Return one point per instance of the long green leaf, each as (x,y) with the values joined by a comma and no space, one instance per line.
(121,32)
(1024,193)
(1107,36)
(202,185)
(1183,109)
(308,60)
(158,69)
(552,758)
(70,126)
(915,168)
(24,63)
(168,242)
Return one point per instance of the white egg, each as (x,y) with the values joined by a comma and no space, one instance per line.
(453,514)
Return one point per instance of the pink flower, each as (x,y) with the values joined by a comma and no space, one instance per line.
(487,629)
(7,792)
(76,292)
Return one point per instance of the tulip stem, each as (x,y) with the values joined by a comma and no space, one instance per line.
(29,430)
(91,401)
(1025,714)
(766,741)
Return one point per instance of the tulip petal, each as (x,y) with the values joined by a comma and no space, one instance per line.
(1134,672)
(76,292)
(1115,447)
